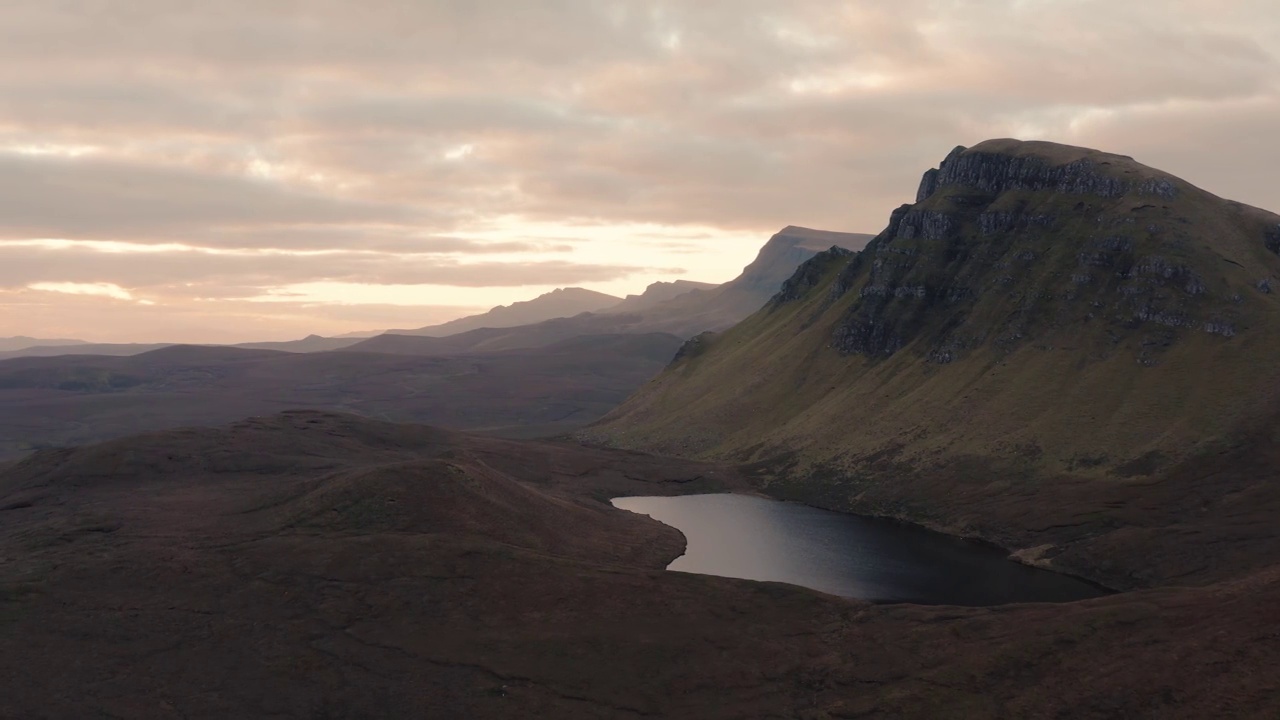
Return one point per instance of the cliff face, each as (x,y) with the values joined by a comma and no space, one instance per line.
(1001,166)
(1047,328)
(1095,241)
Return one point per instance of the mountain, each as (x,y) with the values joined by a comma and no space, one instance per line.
(669,308)
(309,344)
(499,339)
(723,306)
(541,391)
(1059,350)
(318,565)
(108,349)
(22,342)
(680,307)
(564,302)
(655,294)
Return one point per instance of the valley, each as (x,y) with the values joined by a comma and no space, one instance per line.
(632,360)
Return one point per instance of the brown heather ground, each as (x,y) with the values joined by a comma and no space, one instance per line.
(312,565)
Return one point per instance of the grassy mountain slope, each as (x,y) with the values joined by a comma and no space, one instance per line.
(1050,349)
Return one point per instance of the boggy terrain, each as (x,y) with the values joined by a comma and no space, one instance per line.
(1057,349)
(313,565)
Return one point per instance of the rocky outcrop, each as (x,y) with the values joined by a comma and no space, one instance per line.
(996,172)
(809,275)
(693,347)
(933,178)
(998,233)
(1272,240)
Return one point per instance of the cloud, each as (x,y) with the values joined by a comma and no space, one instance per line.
(381,142)
(110,290)
(201,274)
(99,319)
(92,198)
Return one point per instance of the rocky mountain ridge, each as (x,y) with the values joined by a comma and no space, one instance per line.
(991,222)
(1048,330)
(561,302)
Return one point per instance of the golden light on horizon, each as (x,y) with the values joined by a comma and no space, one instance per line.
(441,160)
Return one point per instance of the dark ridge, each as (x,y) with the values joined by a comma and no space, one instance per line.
(808,275)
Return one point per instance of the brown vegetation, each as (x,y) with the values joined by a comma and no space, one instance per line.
(311,565)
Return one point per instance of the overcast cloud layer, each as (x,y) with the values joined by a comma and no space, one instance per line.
(236,170)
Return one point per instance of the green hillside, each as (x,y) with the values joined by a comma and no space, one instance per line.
(1037,352)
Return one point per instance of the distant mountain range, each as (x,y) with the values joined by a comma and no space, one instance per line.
(683,314)
(681,307)
(655,294)
(309,344)
(22,342)
(564,302)
(47,348)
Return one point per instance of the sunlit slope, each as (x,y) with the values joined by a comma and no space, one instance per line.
(1041,312)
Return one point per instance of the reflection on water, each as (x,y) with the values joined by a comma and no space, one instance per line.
(759,539)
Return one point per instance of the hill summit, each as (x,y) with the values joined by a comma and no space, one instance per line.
(561,302)
(1044,329)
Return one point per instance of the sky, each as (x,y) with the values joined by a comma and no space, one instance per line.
(238,170)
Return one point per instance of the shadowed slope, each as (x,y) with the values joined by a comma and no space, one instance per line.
(532,392)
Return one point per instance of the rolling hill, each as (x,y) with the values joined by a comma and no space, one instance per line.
(106,349)
(1059,350)
(22,342)
(317,565)
(308,344)
(563,302)
(553,389)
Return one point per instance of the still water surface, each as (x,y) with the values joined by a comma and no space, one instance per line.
(759,539)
